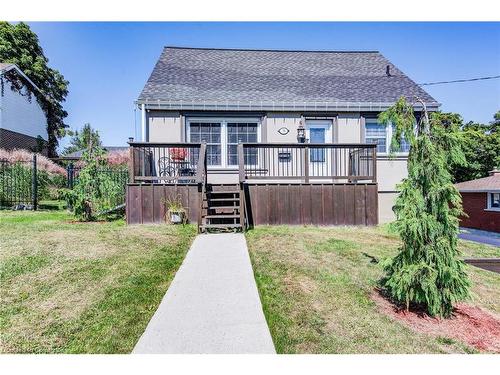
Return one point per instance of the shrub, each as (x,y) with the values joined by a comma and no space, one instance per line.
(95,191)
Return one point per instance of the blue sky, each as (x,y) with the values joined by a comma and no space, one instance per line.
(107,64)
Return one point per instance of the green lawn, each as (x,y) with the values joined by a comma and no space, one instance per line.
(70,287)
(315,286)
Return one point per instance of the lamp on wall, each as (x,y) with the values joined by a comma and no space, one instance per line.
(301,133)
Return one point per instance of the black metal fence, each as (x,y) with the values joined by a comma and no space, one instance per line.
(19,183)
(23,185)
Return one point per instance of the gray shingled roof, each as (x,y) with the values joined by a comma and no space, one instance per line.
(227,75)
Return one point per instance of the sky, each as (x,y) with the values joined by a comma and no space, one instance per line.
(107,64)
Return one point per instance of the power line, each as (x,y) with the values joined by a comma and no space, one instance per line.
(458,81)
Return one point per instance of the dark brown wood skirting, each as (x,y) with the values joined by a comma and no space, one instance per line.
(146,203)
(273,204)
(312,204)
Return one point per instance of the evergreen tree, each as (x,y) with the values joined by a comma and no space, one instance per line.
(427,270)
(80,140)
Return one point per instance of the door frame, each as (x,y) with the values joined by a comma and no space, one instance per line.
(324,124)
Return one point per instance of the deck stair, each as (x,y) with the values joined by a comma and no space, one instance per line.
(221,210)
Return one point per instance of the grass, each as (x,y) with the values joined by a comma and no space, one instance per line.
(70,287)
(315,286)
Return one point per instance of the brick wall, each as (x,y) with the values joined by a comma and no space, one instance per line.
(10,140)
(474,205)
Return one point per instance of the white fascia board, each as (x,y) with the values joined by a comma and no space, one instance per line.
(275,106)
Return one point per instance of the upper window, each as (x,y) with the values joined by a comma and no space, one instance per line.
(494,201)
(381,135)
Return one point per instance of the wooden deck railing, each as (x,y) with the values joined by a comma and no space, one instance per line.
(307,162)
(177,163)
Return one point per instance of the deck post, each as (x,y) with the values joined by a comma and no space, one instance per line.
(374,158)
(306,164)
(241,164)
(201,179)
(131,165)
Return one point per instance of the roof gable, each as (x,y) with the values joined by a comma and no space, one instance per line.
(228,75)
(5,67)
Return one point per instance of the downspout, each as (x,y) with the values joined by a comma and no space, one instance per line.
(143,122)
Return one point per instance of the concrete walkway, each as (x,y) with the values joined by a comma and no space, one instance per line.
(212,305)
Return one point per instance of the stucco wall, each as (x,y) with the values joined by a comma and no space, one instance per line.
(348,129)
(276,121)
(164,126)
(390,172)
(20,114)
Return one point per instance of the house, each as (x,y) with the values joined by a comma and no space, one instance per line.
(295,132)
(481,202)
(22,120)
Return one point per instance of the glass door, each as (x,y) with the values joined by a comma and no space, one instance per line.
(319,132)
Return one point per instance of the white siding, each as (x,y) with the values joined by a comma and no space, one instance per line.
(20,115)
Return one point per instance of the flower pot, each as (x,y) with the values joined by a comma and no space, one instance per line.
(176,217)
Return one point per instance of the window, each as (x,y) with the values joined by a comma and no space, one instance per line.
(241,132)
(376,132)
(222,137)
(209,132)
(381,135)
(494,201)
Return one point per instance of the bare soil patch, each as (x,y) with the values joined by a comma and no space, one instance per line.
(469,324)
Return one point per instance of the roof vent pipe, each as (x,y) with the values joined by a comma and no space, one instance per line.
(388,70)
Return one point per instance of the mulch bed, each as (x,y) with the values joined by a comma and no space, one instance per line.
(469,324)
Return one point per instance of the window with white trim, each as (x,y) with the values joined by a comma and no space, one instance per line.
(376,132)
(241,132)
(222,136)
(381,135)
(209,132)
(494,201)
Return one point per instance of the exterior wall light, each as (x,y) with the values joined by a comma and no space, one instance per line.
(301,134)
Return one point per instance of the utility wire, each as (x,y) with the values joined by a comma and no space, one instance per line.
(458,80)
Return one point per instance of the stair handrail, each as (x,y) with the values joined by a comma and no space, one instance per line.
(201,180)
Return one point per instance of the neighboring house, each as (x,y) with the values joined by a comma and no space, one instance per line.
(22,121)
(481,202)
(273,98)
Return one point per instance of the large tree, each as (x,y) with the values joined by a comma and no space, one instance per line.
(481,145)
(19,45)
(81,140)
(427,271)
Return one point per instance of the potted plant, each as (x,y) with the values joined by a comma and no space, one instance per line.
(176,213)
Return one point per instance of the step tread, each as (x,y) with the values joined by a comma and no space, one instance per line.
(221,226)
(222,216)
(223,192)
(222,207)
(224,199)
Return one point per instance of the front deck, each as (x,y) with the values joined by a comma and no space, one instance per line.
(297,184)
